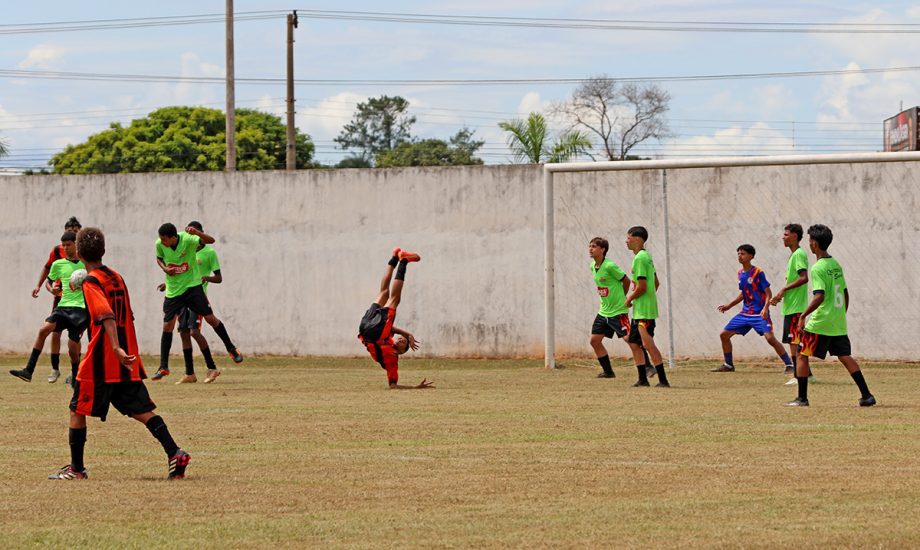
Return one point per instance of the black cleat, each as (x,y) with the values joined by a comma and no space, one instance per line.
(650,371)
(23,374)
(797,402)
(641,383)
(236,355)
(160,373)
(867,401)
(724,368)
(177,464)
(790,370)
(663,385)
(605,375)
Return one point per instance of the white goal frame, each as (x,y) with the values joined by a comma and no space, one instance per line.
(663,165)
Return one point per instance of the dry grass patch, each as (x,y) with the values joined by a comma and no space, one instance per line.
(317,452)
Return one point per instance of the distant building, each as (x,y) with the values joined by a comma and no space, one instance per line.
(901,131)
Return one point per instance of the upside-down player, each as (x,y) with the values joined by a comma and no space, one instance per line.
(111,373)
(376,329)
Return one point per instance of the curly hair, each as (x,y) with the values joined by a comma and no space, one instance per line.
(91,244)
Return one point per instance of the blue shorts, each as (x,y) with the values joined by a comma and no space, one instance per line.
(742,324)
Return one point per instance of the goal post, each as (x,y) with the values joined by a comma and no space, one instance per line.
(663,166)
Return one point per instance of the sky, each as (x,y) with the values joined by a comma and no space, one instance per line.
(777,115)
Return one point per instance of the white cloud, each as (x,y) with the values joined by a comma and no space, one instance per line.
(757,139)
(42,56)
(324,120)
(531,103)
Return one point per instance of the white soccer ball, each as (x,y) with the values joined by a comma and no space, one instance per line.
(77,278)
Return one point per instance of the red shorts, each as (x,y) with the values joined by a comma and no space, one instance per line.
(376,333)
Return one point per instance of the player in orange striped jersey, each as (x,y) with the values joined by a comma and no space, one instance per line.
(111,372)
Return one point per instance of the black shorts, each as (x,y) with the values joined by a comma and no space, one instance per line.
(820,345)
(193,298)
(791,329)
(74,319)
(608,326)
(94,398)
(189,320)
(634,336)
(377,323)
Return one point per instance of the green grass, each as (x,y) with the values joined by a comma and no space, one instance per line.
(317,452)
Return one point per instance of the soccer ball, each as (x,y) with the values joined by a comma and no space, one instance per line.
(77,278)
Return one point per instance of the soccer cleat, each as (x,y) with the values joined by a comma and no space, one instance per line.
(641,383)
(53,377)
(867,401)
(396,251)
(650,371)
(605,375)
(187,379)
(69,380)
(177,464)
(23,374)
(789,371)
(791,382)
(663,385)
(211,376)
(724,368)
(409,256)
(797,402)
(160,373)
(67,472)
(236,355)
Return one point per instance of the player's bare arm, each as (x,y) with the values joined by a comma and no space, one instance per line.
(768,296)
(725,307)
(641,287)
(802,280)
(169,270)
(626,282)
(657,282)
(111,333)
(205,238)
(42,277)
(816,302)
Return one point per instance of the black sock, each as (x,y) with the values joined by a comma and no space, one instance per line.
(159,430)
(605,364)
(642,376)
(56,361)
(208,360)
(165,346)
(221,331)
(74,367)
(189,361)
(33,359)
(662,377)
(401,270)
(861,383)
(77,437)
(393,261)
(803,387)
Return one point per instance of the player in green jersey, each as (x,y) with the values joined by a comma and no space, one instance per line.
(644,303)
(794,295)
(612,318)
(190,322)
(826,329)
(69,313)
(177,257)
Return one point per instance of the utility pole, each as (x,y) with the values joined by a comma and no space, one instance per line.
(291,153)
(230,129)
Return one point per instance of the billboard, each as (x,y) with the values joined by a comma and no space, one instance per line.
(901,131)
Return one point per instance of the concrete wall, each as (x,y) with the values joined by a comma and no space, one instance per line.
(302,253)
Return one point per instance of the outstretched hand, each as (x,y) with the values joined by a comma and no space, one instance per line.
(425,384)
(413,343)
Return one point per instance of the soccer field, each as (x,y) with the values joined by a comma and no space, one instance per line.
(314,452)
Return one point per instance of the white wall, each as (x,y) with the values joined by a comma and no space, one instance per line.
(302,253)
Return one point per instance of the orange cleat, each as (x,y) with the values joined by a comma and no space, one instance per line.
(409,256)
(396,251)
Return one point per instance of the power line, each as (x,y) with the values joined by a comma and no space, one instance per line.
(112,77)
(133,23)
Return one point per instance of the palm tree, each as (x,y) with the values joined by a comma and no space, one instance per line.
(3,150)
(529,141)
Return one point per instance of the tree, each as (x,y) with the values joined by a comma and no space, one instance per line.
(353,161)
(622,116)
(4,151)
(433,152)
(531,141)
(176,139)
(378,125)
